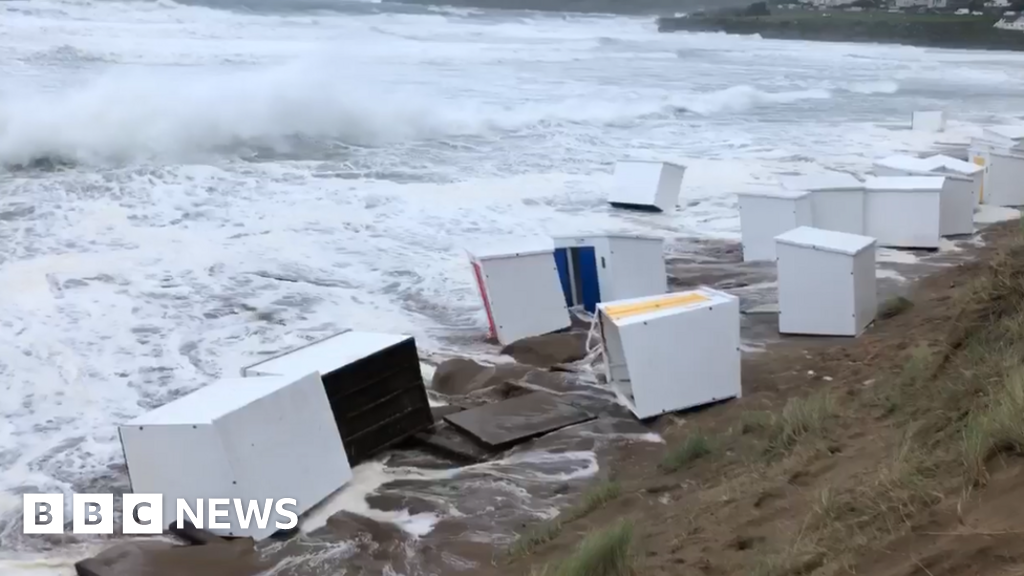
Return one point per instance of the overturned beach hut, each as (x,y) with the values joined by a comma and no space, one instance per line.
(764,215)
(373,382)
(827,283)
(248,438)
(904,211)
(649,186)
(521,292)
(672,352)
(837,200)
(603,267)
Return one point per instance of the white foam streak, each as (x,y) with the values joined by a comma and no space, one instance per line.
(369,477)
(336,551)
(515,466)
(59,562)
(874,87)
(740,98)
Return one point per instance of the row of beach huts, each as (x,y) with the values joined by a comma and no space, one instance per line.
(294,425)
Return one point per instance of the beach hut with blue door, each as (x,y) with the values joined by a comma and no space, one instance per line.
(597,268)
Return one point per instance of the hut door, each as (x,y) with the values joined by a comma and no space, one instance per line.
(577,270)
(584,267)
(565,275)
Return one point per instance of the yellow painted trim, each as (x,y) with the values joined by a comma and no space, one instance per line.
(626,310)
(980,161)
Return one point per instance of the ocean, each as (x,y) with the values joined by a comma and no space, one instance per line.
(186,187)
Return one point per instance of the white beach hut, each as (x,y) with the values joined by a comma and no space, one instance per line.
(827,283)
(766,214)
(1004,180)
(604,267)
(373,382)
(646,185)
(928,121)
(899,165)
(521,291)
(1009,137)
(837,200)
(958,193)
(940,164)
(1002,147)
(904,211)
(247,438)
(672,352)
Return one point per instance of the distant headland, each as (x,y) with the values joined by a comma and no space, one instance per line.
(622,7)
(940,25)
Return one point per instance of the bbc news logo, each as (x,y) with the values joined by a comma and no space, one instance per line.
(143,513)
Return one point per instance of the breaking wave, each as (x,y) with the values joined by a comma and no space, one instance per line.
(740,98)
(130,117)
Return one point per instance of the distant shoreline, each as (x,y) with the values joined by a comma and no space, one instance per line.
(647,8)
(922,30)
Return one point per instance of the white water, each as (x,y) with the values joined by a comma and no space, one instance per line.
(369,477)
(245,182)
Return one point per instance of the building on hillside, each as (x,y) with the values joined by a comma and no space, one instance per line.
(937,4)
(911,3)
(830,3)
(1015,24)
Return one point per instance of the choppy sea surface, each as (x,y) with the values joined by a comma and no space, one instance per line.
(184,187)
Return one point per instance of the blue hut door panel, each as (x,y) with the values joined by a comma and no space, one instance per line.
(565,274)
(584,266)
